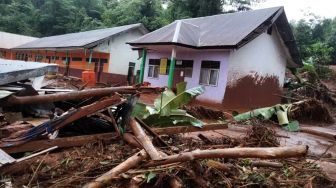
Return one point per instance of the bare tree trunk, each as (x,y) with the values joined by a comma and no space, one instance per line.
(264,153)
(144,140)
(149,130)
(130,163)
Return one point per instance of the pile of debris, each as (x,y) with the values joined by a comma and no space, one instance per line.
(56,132)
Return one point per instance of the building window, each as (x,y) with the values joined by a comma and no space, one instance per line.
(55,58)
(209,73)
(153,68)
(77,59)
(188,67)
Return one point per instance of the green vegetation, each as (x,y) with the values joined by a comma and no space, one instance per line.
(52,17)
(316,39)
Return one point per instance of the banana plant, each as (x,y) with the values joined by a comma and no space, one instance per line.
(166,108)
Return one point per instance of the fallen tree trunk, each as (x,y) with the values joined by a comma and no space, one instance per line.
(66,142)
(144,140)
(153,133)
(131,140)
(130,163)
(264,153)
(74,95)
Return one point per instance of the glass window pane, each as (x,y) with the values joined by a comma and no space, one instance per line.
(204,76)
(156,72)
(188,72)
(213,77)
(150,71)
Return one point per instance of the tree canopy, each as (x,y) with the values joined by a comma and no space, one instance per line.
(52,17)
(316,39)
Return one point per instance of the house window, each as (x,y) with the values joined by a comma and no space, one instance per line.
(55,58)
(209,73)
(77,59)
(188,67)
(185,65)
(153,68)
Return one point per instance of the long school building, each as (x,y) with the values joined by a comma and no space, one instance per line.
(104,50)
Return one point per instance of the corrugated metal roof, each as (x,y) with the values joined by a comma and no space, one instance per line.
(231,30)
(219,30)
(79,40)
(10,40)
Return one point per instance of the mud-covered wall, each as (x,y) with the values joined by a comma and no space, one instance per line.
(256,73)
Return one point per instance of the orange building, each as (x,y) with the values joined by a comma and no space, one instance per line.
(104,51)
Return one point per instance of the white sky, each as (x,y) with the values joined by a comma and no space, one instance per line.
(296,9)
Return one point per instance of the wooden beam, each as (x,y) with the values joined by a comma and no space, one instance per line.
(61,142)
(187,129)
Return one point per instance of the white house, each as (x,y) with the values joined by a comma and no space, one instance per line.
(240,58)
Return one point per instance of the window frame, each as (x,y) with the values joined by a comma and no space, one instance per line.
(153,71)
(208,72)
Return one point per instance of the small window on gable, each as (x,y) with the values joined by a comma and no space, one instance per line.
(209,73)
(153,68)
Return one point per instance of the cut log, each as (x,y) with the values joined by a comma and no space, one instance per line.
(150,131)
(187,129)
(144,140)
(264,153)
(61,142)
(130,163)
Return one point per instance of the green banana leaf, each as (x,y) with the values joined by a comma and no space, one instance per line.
(265,113)
(168,101)
(175,119)
(166,112)
(292,126)
(181,87)
(142,111)
(280,111)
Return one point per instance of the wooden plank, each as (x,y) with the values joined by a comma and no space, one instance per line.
(61,142)
(36,154)
(187,129)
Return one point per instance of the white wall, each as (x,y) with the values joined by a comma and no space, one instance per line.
(212,93)
(121,53)
(263,56)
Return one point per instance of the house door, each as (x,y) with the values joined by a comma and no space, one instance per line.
(178,73)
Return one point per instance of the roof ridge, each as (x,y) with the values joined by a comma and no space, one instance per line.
(134,25)
(239,12)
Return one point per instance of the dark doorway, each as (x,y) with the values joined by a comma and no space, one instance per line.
(178,73)
(99,68)
(130,74)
